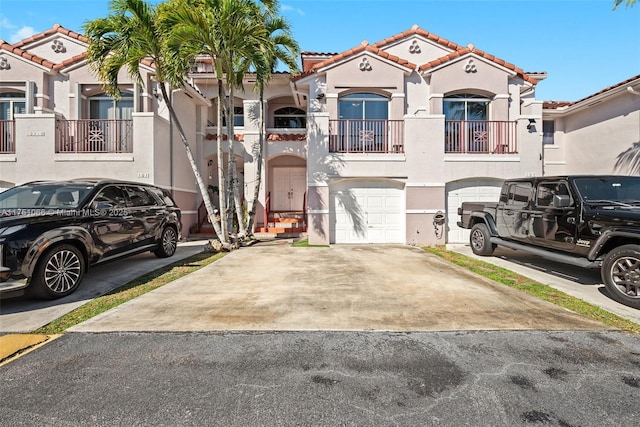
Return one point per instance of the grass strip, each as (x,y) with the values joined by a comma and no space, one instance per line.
(304,243)
(129,291)
(536,289)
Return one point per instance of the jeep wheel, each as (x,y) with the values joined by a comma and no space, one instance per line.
(621,274)
(479,240)
(168,243)
(58,272)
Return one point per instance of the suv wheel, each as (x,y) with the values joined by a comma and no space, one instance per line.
(58,272)
(479,240)
(621,274)
(168,243)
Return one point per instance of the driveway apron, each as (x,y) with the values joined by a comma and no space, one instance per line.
(279,287)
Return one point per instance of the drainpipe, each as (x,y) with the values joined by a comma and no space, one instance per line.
(634,92)
(171,146)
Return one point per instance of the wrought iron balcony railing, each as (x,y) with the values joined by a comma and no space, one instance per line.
(7,136)
(366,136)
(94,136)
(480,137)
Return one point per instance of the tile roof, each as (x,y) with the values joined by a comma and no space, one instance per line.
(4,46)
(364,46)
(70,61)
(415,30)
(471,49)
(554,105)
(57,28)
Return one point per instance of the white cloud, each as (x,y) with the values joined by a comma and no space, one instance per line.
(287,8)
(22,33)
(4,23)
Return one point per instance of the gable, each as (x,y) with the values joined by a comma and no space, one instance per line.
(470,72)
(417,49)
(365,70)
(56,44)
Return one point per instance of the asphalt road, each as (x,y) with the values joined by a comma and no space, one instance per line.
(491,378)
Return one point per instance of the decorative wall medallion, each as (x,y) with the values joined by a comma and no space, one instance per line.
(365,65)
(4,63)
(470,67)
(415,47)
(57,46)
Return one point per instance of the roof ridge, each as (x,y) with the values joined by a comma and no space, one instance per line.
(57,28)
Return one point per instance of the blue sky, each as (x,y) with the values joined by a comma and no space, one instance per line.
(583,45)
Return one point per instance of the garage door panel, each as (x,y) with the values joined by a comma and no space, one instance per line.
(376,216)
(459,192)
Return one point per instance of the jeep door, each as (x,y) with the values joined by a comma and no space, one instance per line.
(554,216)
(515,210)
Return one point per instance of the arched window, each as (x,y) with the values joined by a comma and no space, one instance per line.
(364,106)
(466,107)
(104,106)
(11,103)
(289,117)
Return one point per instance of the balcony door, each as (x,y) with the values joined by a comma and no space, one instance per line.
(466,128)
(363,122)
(108,128)
(11,103)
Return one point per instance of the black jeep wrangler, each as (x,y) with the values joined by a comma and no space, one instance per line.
(585,220)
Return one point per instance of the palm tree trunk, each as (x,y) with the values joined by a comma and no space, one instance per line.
(222,193)
(258,153)
(233,191)
(196,171)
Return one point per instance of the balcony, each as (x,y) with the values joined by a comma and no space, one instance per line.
(480,137)
(94,136)
(366,136)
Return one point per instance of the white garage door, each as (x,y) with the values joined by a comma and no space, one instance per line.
(467,191)
(367,213)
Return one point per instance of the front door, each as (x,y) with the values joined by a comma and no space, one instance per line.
(289,185)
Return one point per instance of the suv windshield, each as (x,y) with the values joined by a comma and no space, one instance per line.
(625,189)
(44,195)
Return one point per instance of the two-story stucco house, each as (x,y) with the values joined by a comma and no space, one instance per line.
(596,134)
(378,144)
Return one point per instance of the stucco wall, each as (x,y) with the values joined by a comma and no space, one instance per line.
(597,138)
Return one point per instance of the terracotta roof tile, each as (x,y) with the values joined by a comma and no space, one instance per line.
(70,61)
(364,46)
(415,30)
(552,105)
(471,49)
(26,55)
(57,28)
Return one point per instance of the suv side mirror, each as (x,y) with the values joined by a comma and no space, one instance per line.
(561,201)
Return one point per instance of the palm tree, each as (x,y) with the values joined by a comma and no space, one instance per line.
(130,34)
(629,3)
(228,31)
(282,47)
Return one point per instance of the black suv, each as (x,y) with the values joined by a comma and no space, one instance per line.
(591,221)
(51,232)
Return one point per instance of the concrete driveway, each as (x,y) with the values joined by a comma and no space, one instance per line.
(279,287)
